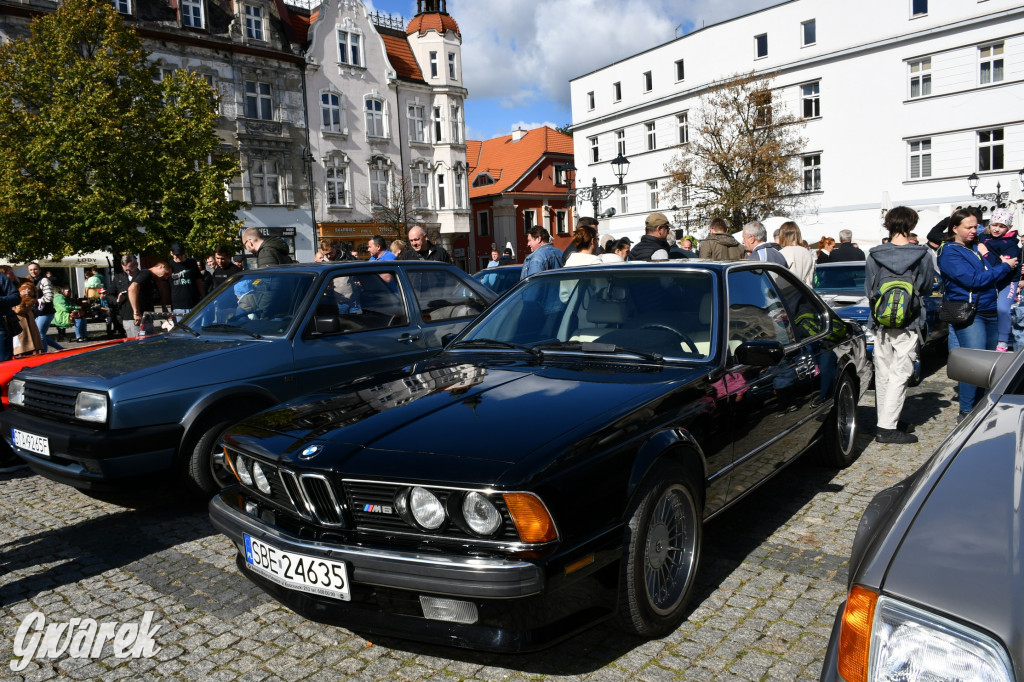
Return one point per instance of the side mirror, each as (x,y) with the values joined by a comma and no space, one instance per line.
(978,367)
(760,353)
(447,338)
(326,324)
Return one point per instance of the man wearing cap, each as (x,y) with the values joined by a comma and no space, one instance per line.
(719,244)
(186,282)
(656,229)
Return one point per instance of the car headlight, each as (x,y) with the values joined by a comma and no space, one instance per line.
(260,478)
(426,508)
(242,467)
(480,514)
(16,392)
(91,407)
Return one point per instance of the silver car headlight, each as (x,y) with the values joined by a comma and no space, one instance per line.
(480,514)
(426,508)
(260,478)
(908,642)
(16,392)
(90,407)
(242,467)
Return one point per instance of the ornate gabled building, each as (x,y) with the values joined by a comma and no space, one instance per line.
(386,115)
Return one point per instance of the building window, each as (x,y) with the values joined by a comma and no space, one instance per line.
(808,32)
(457,189)
(624,199)
(762,101)
(350,48)
(451,66)
(761,46)
(456,122)
(529,220)
(375,118)
(483,223)
(684,196)
(379,183)
(420,187)
(337,185)
(620,142)
(680,70)
(990,149)
(330,109)
(918,8)
(192,13)
(590,100)
(441,203)
(254,22)
(683,121)
(652,136)
(812,172)
(920,158)
(648,81)
(811,100)
(560,178)
(417,123)
(265,180)
(616,92)
(561,222)
(258,102)
(595,153)
(437,125)
(652,190)
(123,6)
(921,77)
(433,65)
(991,63)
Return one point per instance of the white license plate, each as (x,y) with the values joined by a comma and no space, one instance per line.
(301,572)
(31,442)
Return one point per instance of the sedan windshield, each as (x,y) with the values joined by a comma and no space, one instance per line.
(648,314)
(253,304)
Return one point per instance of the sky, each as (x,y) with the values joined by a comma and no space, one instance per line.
(518,56)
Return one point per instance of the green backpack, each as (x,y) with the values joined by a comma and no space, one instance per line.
(894,306)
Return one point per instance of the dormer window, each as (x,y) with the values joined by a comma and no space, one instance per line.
(254,22)
(483,179)
(192,13)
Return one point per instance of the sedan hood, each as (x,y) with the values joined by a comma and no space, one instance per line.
(964,553)
(451,407)
(844,299)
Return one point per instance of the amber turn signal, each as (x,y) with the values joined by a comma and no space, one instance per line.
(855,634)
(533,523)
(231,465)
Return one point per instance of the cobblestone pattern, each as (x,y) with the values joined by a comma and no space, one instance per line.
(772,576)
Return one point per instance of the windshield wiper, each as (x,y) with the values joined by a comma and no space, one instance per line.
(231,327)
(185,327)
(595,347)
(500,344)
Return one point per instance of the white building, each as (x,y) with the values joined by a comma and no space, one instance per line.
(903,100)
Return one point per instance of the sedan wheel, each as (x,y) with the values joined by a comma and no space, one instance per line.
(207,472)
(841,429)
(661,555)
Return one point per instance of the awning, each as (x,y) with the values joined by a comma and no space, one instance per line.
(99,259)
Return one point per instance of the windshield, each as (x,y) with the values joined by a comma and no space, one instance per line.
(253,303)
(838,279)
(655,313)
(500,280)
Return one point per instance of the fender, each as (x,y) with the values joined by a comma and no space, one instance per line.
(238,393)
(678,444)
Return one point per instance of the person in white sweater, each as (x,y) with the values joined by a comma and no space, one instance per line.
(798,257)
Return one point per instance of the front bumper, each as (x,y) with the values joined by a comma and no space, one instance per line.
(91,457)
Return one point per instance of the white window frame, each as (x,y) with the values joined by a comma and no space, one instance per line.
(260,100)
(914,13)
(651,135)
(123,6)
(757,46)
(624,199)
(332,115)
(987,76)
(438,126)
(590,101)
(420,182)
(561,221)
(683,125)
(920,74)
(810,169)
(452,70)
(620,142)
(653,194)
(416,114)
(458,183)
(254,22)
(193,11)
(648,81)
(810,94)
(380,171)
(617,91)
(350,47)
(595,150)
(919,154)
(455,119)
(680,70)
(813,26)
(442,199)
(991,145)
(532,222)
(433,64)
(374,118)
(265,182)
(483,223)
(336,177)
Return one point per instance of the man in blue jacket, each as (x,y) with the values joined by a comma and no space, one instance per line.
(544,256)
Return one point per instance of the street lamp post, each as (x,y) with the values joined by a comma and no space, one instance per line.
(595,192)
(997,198)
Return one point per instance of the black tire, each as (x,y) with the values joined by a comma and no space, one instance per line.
(661,553)
(838,449)
(205,471)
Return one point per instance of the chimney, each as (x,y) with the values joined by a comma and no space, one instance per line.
(518,134)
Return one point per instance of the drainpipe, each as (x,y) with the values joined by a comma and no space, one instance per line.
(308,159)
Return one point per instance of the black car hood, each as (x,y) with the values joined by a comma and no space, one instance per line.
(466,407)
(964,553)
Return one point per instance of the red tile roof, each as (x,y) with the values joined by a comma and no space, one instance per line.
(297,19)
(401,57)
(435,21)
(507,161)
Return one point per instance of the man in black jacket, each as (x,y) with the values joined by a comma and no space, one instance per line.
(846,251)
(425,248)
(656,229)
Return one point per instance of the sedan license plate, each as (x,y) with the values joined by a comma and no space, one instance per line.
(31,442)
(322,577)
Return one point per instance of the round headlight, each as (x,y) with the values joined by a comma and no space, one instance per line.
(242,467)
(261,479)
(426,508)
(480,514)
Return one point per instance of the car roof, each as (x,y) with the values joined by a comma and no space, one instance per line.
(846,264)
(719,266)
(316,267)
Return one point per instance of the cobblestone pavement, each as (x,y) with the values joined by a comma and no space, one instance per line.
(772,577)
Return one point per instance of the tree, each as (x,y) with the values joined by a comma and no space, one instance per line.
(99,153)
(740,159)
(398,213)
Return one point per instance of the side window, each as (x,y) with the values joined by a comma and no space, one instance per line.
(361,303)
(443,296)
(756,311)
(805,316)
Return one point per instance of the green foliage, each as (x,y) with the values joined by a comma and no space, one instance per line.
(99,155)
(741,161)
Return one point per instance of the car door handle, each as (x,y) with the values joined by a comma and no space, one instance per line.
(408,338)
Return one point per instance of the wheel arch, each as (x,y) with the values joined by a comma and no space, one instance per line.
(203,410)
(673,445)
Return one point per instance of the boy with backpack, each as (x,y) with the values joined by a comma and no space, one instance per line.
(897,275)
